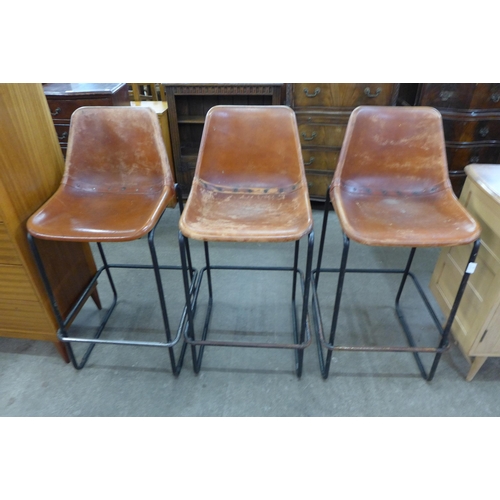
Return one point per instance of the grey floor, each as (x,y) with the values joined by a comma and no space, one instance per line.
(137,381)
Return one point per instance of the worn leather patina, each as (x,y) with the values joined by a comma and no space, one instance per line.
(249,183)
(117,180)
(391,186)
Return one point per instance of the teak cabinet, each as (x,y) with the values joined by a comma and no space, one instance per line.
(188,104)
(471,122)
(322,111)
(64,98)
(31,167)
(477,324)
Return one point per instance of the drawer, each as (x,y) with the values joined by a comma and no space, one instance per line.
(343,95)
(486,96)
(8,252)
(460,155)
(62,109)
(460,95)
(468,129)
(317,159)
(62,130)
(313,134)
(318,183)
(446,95)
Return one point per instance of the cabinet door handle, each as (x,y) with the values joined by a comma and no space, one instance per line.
(369,94)
(56,112)
(310,162)
(63,136)
(495,97)
(317,90)
(313,135)
(445,94)
(484,131)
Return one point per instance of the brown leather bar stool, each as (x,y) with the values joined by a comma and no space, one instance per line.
(249,186)
(116,186)
(391,188)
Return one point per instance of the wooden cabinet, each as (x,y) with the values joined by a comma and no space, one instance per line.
(477,324)
(322,111)
(31,167)
(188,104)
(471,121)
(64,98)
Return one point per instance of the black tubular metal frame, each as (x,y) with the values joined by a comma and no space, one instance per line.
(301,334)
(64,323)
(444,332)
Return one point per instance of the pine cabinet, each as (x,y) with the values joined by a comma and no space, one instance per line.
(477,325)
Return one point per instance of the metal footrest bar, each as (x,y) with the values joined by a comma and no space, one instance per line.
(62,333)
(301,335)
(443,345)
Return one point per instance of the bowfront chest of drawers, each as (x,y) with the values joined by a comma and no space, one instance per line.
(471,121)
(322,111)
(64,98)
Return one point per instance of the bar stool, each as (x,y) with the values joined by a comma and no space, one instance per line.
(116,186)
(249,186)
(391,188)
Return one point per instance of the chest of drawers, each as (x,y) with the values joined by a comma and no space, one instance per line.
(471,121)
(64,98)
(322,111)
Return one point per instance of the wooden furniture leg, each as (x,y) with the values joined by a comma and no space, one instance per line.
(62,350)
(475,367)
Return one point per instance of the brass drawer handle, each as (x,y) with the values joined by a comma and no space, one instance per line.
(310,162)
(368,94)
(63,136)
(313,135)
(56,112)
(445,94)
(317,90)
(484,131)
(495,97)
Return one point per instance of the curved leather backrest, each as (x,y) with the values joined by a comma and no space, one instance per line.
(116,149)
(393,149)
(253,147)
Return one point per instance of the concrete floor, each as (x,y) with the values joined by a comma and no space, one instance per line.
(137,381)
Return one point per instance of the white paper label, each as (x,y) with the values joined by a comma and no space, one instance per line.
(471,267)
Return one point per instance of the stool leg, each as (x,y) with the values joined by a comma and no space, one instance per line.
(323,233)
(305,302)
(161,295)
(400,315)
(461,289)
(336,308)
(187,297)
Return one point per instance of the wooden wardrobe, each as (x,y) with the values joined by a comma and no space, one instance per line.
(31,167)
